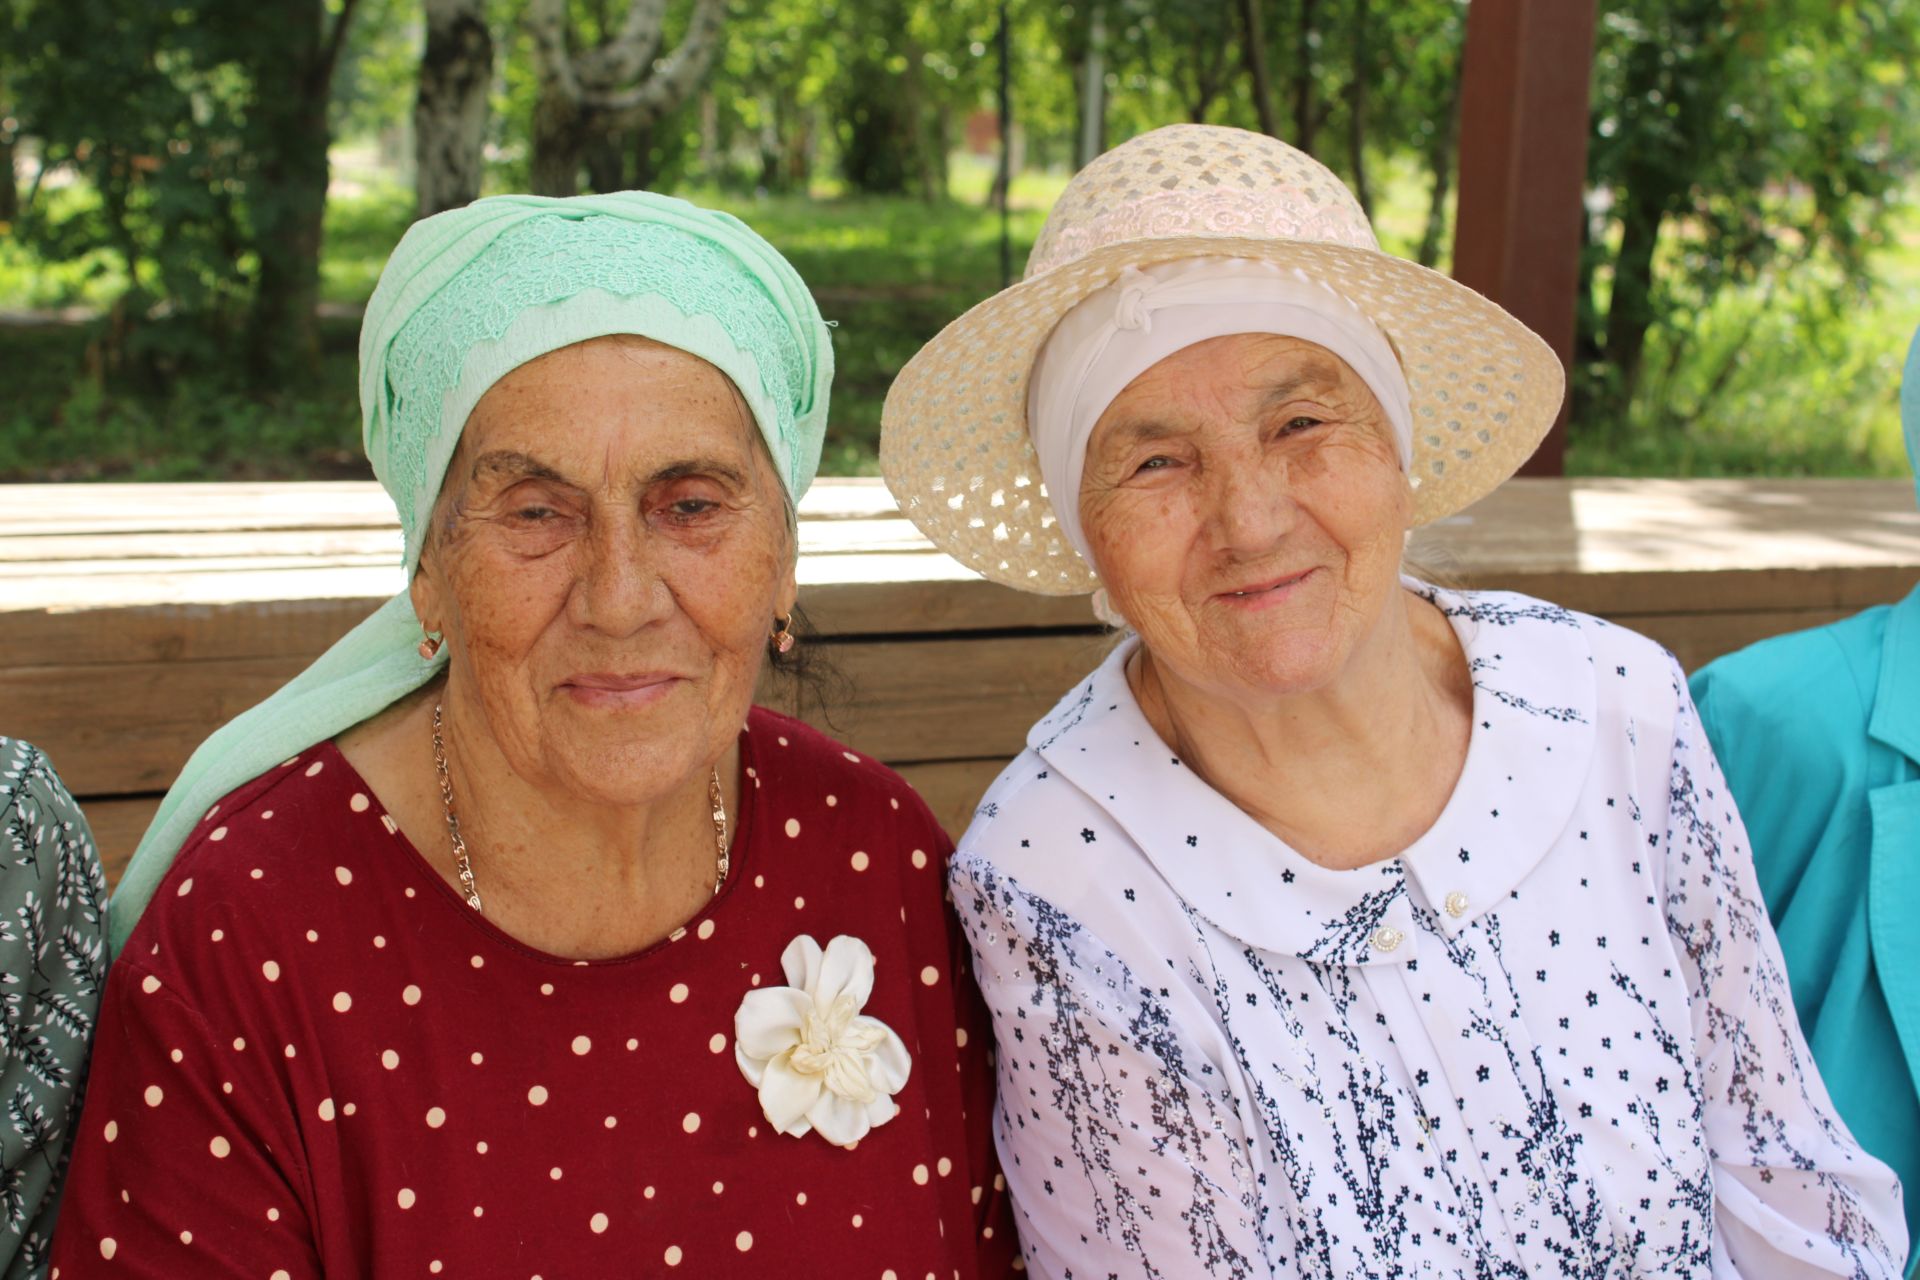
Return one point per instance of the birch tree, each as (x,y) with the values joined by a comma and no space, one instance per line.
(450,112)
(622,84)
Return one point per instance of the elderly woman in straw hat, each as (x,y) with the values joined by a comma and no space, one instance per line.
(510,939)
(1338,924)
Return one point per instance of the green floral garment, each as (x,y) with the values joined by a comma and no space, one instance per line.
(53,964)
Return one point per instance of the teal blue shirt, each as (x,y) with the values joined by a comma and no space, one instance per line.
(1819,735)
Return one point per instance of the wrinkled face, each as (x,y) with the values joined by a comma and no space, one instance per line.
(1246,511)
(609,552)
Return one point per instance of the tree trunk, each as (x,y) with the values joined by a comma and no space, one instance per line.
(9,126)
(1207,71)
(799,151)
(283,333)
(606,162)
(930,131)
(9,176)
(1092,138)
(1305,120)
(558,140)
(450,112)
(290,126)
(1586,308)
(616,87)
(1630,312)
(709,135)
(1357,110)
(934,130)
(1256,55)
(641,141)
(771,143)
(1440,160)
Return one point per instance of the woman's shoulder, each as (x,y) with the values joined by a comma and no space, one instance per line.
(266,852)
(1565,644)
(1028,793)
(1037,833)
(790,755)
(51,876)
(40,817)
(1824,676)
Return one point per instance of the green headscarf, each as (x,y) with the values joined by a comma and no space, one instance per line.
(468,296)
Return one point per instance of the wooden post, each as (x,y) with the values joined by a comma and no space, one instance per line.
(1523,167)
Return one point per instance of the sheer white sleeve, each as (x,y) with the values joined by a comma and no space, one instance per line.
(1794,1194)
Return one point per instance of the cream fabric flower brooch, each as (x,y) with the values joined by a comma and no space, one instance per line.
(818,1062)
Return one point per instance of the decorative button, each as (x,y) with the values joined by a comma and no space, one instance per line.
(1386,938)
(1456,904)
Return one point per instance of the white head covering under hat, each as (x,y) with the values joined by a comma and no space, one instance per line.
(1117,333)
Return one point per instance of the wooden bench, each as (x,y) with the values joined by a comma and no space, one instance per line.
(134,619)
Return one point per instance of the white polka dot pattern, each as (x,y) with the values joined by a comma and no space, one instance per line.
(452,1099)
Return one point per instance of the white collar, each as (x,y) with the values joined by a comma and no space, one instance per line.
(1527,761)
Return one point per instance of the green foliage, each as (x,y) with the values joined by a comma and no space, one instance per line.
(1748,281)
(374,86)
(186,120)
(1776,383)
(63,421)
(1735,145)
(143,107)
(1793,374)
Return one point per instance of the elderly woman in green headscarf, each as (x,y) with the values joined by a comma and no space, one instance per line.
(511,939)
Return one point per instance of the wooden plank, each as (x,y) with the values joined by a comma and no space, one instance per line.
(221,550)
(122,729)
(1641,595)
(896,602)
(91,508)
(291,628)
(901,595)
(1697,639)
(909,701)
(1529,535)
(228,505)
(118,822)
(55,551)
(1681,526)
(1585,526)
(979,707)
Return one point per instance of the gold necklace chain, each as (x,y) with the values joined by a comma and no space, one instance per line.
(464,865)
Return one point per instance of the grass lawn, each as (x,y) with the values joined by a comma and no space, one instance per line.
(1791,383)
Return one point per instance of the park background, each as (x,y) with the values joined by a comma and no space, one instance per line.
(202,192)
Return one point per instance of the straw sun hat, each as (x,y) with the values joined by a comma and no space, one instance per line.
(954,443)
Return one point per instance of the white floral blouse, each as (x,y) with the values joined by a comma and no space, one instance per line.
(1552,1038)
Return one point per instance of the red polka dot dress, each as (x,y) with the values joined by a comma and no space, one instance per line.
(315,1059)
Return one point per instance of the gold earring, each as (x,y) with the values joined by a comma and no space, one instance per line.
(429,646)
(783,637)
